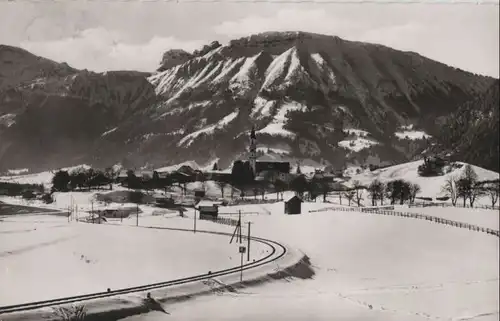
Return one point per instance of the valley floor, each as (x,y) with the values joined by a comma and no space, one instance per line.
(367,267)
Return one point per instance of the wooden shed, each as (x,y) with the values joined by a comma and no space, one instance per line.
(199,192)
(293,205)
(208,210)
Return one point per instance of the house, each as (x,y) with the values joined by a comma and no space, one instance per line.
(165,202)
(199,192)
(274,166)
(218,176)
(293,205)
(122,176)
(271,176)
(208,210)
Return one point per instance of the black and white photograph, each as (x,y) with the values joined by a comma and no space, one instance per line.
(249,160)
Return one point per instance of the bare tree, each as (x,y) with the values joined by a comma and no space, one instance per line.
(414,190)
(476,192)
(222,185)
(359,192)
(451,189)
(381,193)
(374,190)
(493,191)
(350,194)
(468,187)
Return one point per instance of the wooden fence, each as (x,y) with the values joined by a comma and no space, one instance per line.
(224,221)
(488,207)
(435,219)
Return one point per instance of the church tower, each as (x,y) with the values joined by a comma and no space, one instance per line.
(253,151)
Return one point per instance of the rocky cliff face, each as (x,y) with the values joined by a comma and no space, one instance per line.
(309,96)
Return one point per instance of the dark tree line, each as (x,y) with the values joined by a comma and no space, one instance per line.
(81,179)
(395,191)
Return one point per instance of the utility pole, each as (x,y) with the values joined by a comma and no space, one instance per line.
(248,242)
(239,224)
(137,216)
(92,211)
(241,268)
(237,230)
(194,228)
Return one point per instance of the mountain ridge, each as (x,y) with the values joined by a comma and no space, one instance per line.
(315,96)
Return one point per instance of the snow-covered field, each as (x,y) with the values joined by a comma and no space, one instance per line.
(367,267)
(481,217)
(44,257)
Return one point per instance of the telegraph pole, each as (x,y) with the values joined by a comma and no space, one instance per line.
(239,224)
(248,244)
(237,230)
(92,211)
(241,268)
(194,227)
(137,216)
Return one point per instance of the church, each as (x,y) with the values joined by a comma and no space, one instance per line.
(262,168)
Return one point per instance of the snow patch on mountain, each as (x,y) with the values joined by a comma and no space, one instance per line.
(213,52)
(180,110)
(286,62)
(169,82)
(356,132)
(241,80)
(7,120)
(262,107)
(109,132)
(276,126)
(187,140)
(265,149)
(324,68)
(412,134)
(227,68)
(357,144)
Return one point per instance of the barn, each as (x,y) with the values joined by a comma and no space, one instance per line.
(293,205)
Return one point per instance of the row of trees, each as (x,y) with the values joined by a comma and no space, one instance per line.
(468,188)
(396,190)
(82,178)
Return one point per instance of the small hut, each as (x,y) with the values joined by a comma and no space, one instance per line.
(208,210)
(293,205)
(199,192)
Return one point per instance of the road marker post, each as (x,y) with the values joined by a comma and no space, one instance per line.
(242,250)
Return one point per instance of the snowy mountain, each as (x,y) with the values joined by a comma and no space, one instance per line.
(310,95)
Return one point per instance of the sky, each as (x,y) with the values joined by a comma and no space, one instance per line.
(134,34)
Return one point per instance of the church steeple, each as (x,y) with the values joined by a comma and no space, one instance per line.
(252,133)
(253,150)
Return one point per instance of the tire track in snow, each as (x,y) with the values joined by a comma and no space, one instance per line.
(36,246)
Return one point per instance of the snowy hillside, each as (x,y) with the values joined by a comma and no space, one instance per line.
(431,186)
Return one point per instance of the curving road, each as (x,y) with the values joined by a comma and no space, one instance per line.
(277,251)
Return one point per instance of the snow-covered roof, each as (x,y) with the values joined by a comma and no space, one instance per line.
(291,197)
(205,203)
